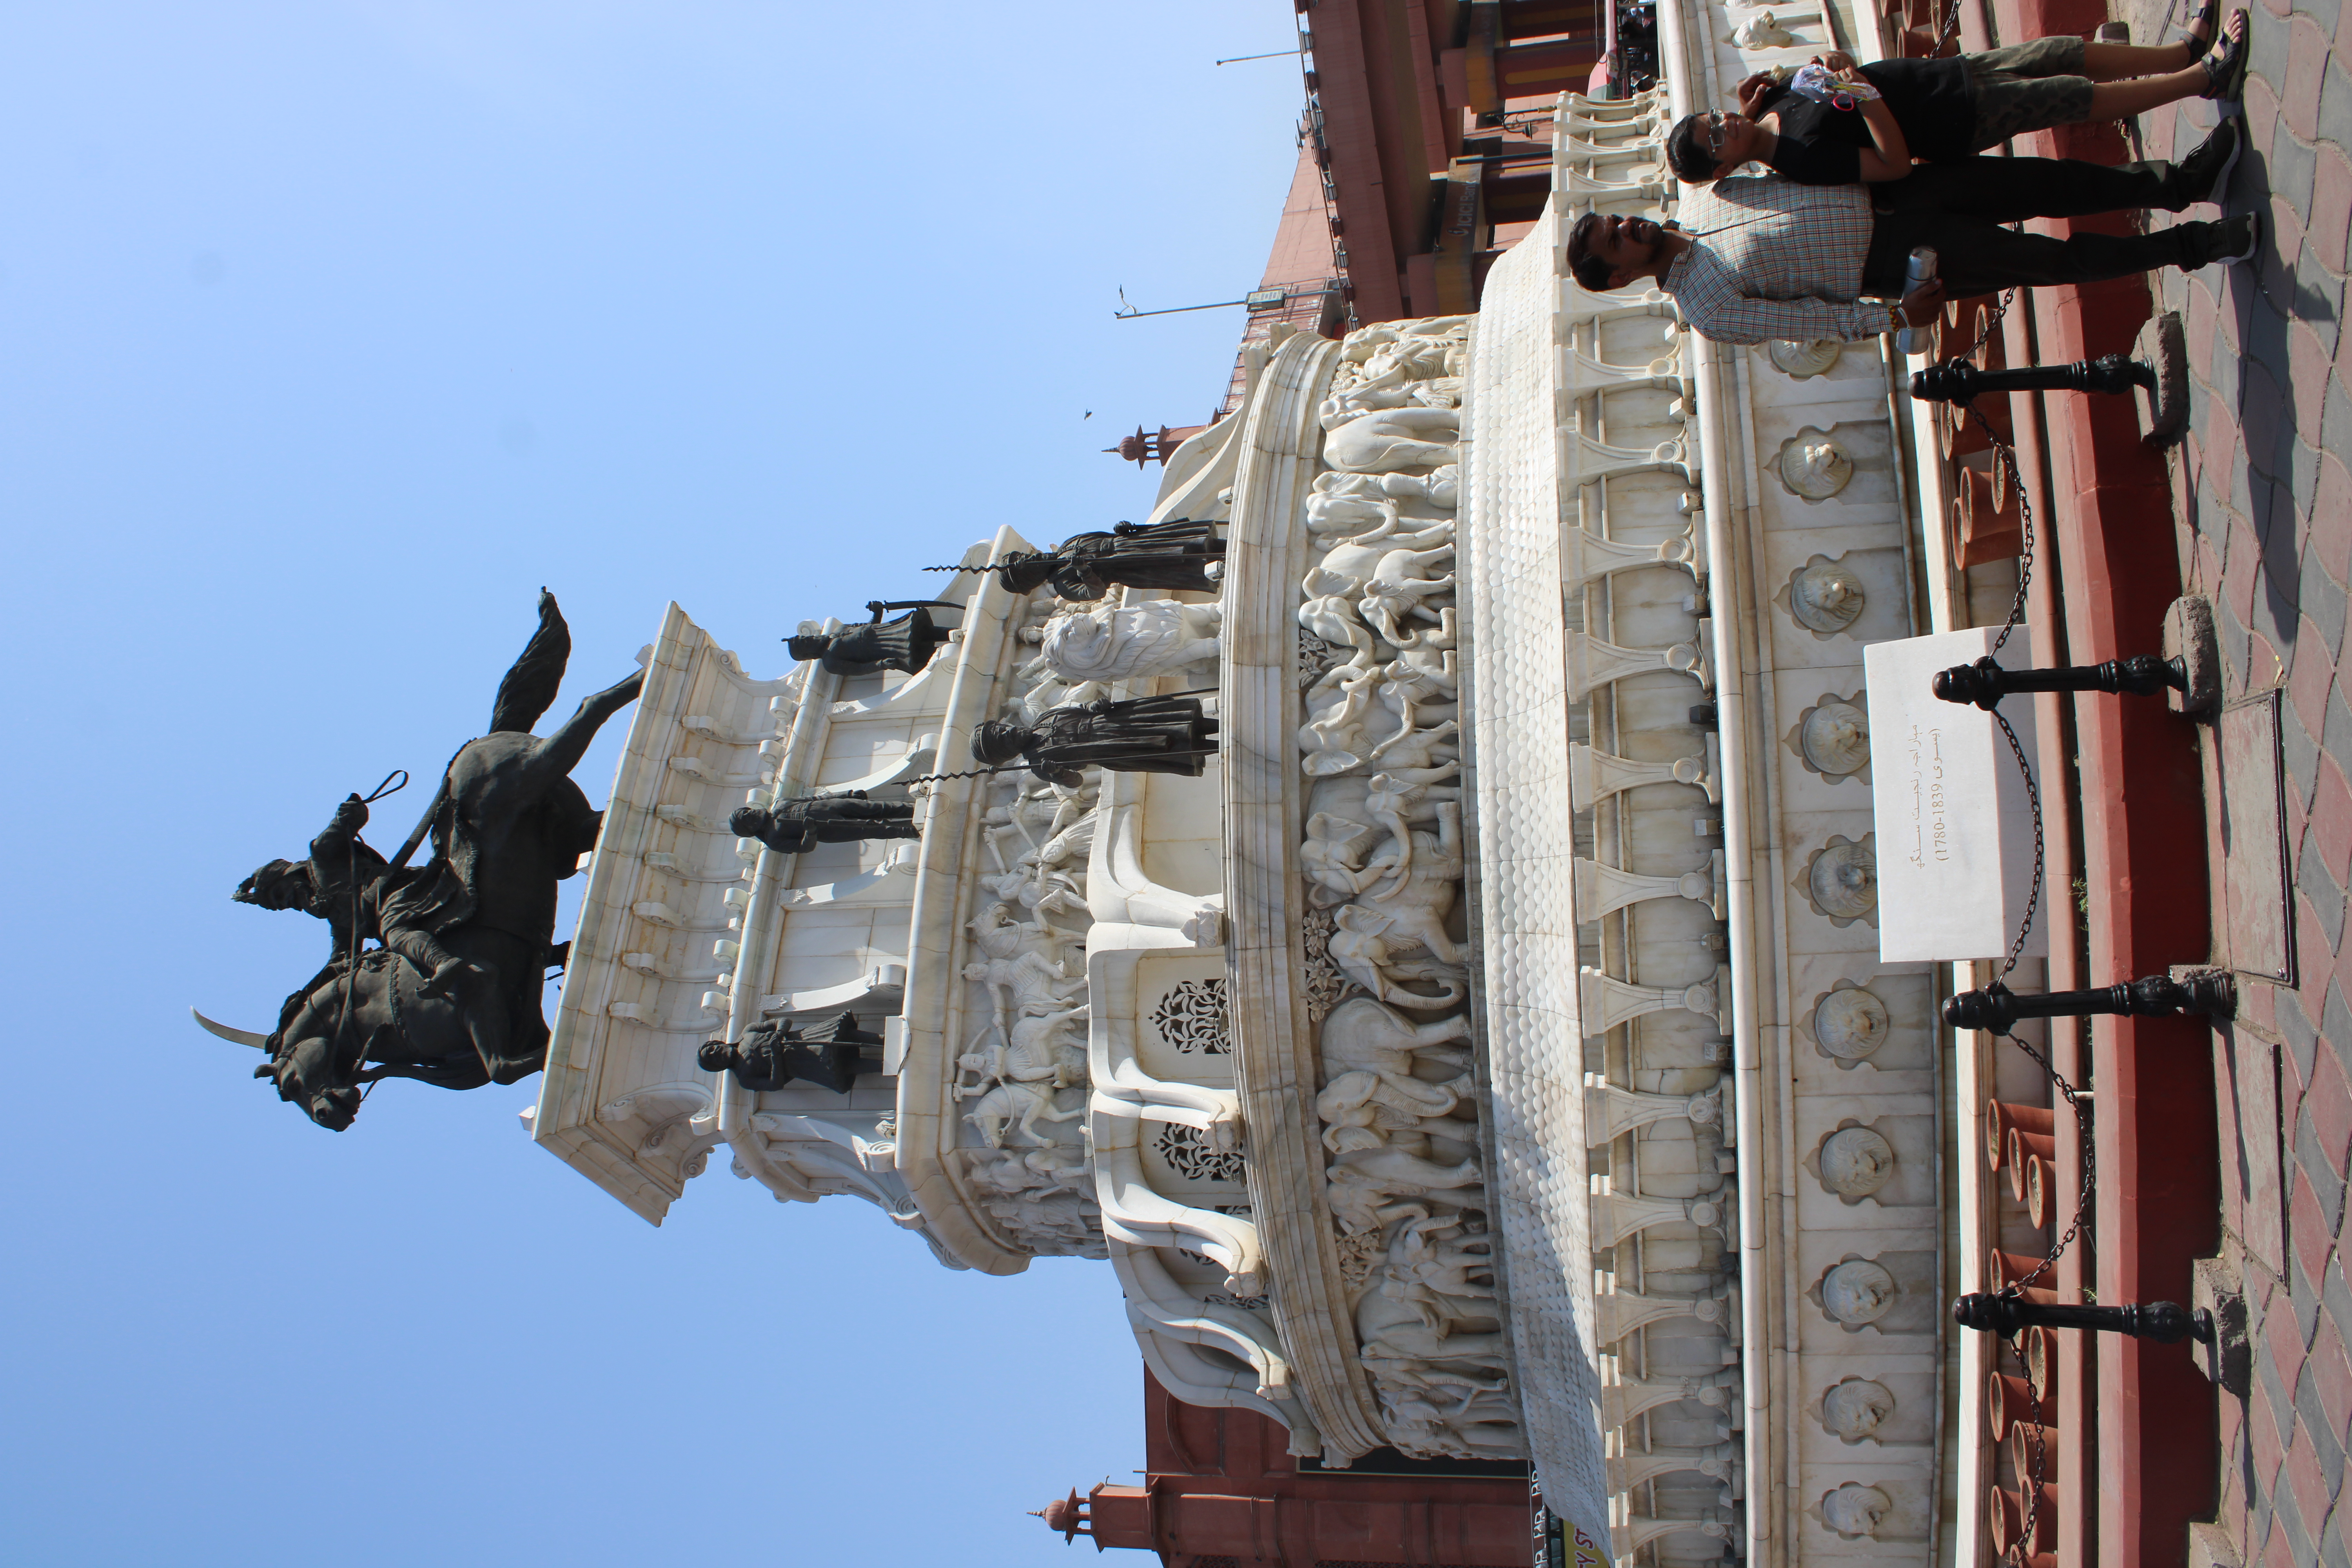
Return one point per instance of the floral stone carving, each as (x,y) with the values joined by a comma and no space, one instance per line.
(1316,658)
(1192,1017)
(1191,1154)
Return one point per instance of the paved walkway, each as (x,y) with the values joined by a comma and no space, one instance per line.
(2266,500)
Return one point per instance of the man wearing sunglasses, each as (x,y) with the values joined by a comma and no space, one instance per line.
(1867,122)
(1760,258)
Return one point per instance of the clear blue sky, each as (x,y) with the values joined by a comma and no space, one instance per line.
(329,331)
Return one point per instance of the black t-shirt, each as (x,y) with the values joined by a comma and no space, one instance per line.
(1821,144)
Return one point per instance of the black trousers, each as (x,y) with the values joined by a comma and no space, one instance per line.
(1958,207)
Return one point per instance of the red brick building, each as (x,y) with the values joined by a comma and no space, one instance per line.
(1221,1489)
(1423,152)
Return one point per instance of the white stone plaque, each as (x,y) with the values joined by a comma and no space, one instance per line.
(1955,830)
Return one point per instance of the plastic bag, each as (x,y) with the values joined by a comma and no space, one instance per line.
(1816,82)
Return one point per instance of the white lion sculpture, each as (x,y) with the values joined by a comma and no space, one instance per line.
(1126,642)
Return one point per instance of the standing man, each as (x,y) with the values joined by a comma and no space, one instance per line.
(1757,257)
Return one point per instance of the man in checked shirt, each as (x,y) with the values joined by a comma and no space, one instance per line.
(1757,257)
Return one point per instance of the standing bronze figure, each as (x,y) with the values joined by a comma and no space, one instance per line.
(793,826)
(773,1054)
(1138,735)
(1171,556)
(907,642)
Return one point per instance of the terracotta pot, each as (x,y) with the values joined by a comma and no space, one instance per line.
(2039,1348)
(2020,1450)
(1991,527)
(1967,329)
(2042,1200)
(1992,349)
(2008,1400)
(1948,337)
(1957,434)
(2004,1269)
(2005,1518)
(2023,1148)
(2000,1115)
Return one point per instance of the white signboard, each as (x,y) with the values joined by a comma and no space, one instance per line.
(1955,829)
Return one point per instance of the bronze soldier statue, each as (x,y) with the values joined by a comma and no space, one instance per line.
(795,825)
(1171,556)
(336,883)
(1136,735)
(907,642)
(775,1054)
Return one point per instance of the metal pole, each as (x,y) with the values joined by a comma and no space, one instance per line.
(1986,682)
(1958,381)
(2166,1322)
(1997,1008)
(1179,310)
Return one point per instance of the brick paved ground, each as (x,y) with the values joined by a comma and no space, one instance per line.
(2266,504)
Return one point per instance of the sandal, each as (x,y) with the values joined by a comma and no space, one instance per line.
(2197,33)
(2225,62)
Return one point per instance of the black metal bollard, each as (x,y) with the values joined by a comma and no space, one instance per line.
(1985,683)
(1998,1008)
(2166,1322)
(1957,381)
(2157,370)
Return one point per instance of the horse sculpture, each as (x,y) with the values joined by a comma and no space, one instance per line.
(453,995)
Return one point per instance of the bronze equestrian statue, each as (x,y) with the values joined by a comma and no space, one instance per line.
(452,997)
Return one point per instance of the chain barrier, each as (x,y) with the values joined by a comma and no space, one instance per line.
(2037,1456)
(1951,26)
(2037,1453)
